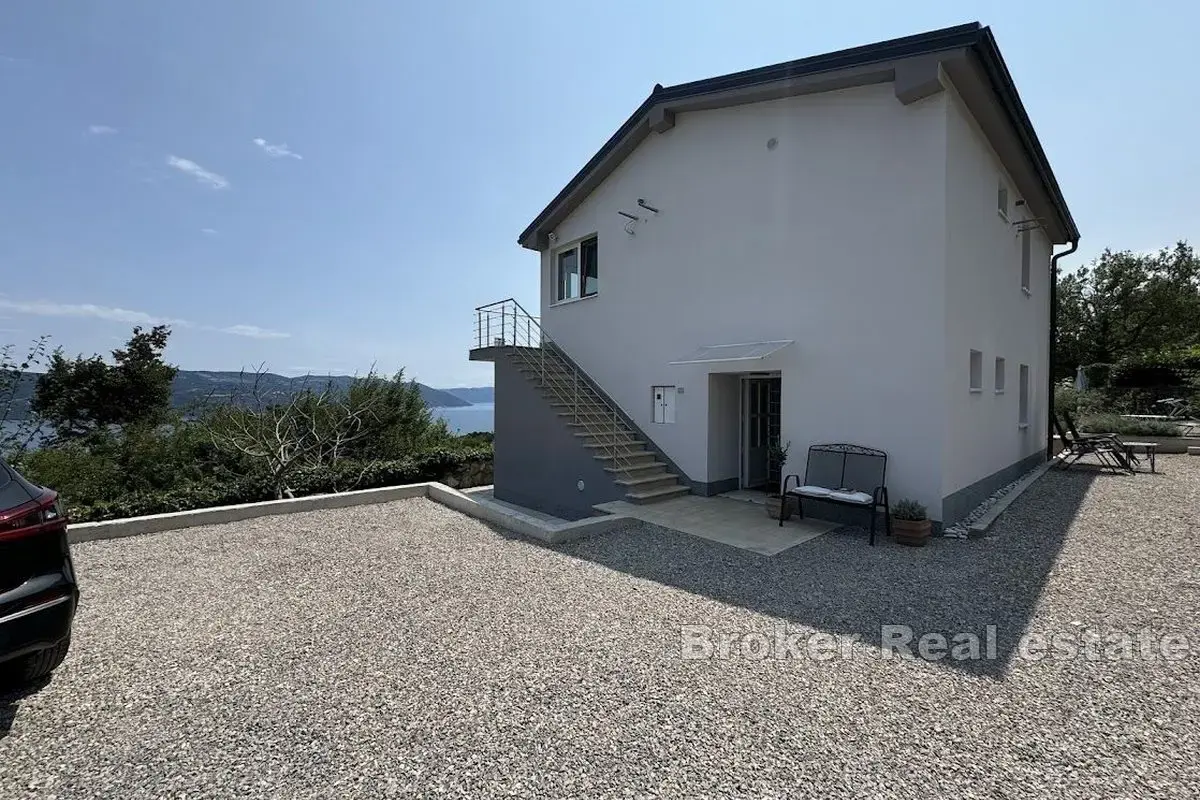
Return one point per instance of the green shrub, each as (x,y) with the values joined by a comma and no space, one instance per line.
(1097,375)
(73,471)
(456,468)
(1076,402)
(909,510)
(1125,426)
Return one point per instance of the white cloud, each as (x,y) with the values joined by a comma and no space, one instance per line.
(44,308)
(276,150)
(101,130)
(209,231)
(198,172)
(253,331)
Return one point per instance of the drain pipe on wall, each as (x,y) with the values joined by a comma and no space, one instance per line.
(1053,336)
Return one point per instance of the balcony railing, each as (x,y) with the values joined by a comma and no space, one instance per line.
(506,324)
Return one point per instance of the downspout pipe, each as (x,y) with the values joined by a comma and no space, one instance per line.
(1053,337)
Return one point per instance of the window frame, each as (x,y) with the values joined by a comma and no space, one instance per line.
(1002,200)
(1023,402)
(975,374)
(1000,374)
(1026,262)
(576,247)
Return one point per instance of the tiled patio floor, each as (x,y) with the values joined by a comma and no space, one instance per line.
(736,523)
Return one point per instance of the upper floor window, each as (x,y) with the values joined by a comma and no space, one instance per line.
(976,384)
(577,270)
(1002,200)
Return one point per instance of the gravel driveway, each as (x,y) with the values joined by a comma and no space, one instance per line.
(405,649)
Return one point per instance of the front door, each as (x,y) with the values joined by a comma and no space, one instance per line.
(760,424)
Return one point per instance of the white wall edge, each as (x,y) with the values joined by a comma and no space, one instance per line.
(437,492)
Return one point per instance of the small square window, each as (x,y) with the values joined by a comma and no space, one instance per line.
(999,375)
(1002,200)
(976,371)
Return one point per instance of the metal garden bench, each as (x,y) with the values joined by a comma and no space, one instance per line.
(843,474)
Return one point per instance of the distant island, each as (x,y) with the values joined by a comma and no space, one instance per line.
(474,394)
(193,386)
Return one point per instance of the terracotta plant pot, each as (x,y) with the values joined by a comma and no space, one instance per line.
(776,506)
(912,532)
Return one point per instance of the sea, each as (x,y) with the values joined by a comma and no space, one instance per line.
(460,419)
(469,419)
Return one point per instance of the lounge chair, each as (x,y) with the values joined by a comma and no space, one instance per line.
(1110,452)
(1126,451)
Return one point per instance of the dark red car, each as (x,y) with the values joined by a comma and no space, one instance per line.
(38,593)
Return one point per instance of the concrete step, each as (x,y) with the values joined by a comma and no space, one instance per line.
(593,420)
(584,405)
(624,449)
(640,471)
(626,461)
(650,482)
(608,437)
(654,495)
(595,426)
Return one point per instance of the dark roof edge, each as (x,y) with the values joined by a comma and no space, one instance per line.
(972,35)
(1010,101)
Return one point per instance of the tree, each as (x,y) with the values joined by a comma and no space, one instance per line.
(19,428)
(313,428)
(401,425)
(1126,305)
(81,396)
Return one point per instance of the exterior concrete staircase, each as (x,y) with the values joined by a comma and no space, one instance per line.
(583,409)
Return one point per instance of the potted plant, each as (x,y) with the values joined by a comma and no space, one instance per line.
(776,457)
(910,523)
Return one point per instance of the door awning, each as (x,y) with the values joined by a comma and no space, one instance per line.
(746,351)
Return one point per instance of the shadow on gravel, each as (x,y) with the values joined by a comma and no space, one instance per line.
(838,584)
(10,701)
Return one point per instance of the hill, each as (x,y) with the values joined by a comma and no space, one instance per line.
(192,386)
(474,394)
(195,385)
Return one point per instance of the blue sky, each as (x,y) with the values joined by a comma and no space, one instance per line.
(325,185)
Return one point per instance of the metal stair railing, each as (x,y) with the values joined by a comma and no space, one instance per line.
(506,324)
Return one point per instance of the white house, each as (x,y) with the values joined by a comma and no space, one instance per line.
(853,247)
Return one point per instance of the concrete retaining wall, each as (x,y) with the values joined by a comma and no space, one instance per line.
(438,492)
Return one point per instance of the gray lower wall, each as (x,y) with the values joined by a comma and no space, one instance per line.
(957,505)
(714,487)
(538,460)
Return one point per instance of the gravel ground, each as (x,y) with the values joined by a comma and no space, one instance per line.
(405,649)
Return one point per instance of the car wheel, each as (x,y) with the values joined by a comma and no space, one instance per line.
(39,664)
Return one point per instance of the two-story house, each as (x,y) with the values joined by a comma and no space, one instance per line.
(853,247)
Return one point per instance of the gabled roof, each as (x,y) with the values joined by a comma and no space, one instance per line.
(968,53)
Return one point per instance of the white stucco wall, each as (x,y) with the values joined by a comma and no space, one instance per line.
(835,238)
(986,310)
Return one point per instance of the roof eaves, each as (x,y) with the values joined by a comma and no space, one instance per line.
(971,35)
(1010,101)
(929,42)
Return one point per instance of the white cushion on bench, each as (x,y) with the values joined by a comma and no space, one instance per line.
(861,498)
(811,491)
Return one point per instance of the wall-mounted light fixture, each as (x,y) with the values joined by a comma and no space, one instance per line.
(634,219)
